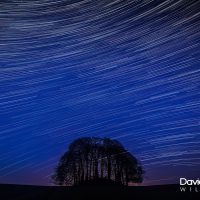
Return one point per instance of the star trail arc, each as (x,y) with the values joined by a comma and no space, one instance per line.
(125,69)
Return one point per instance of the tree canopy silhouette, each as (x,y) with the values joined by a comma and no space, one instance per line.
(97,158)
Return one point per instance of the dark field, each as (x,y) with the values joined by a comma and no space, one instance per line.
(25,192)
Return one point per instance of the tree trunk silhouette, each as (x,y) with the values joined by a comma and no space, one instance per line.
(109,168)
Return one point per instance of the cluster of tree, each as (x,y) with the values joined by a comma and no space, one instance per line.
(95,158)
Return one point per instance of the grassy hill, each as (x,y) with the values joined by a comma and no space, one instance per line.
(26,192)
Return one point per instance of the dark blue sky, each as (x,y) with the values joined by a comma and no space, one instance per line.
(122,69)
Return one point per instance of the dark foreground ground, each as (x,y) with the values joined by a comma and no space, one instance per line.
(25,192)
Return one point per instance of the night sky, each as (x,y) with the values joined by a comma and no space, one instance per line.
(124,69)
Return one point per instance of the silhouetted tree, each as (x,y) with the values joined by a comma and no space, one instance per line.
(97,158)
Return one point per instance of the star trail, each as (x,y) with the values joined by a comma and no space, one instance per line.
(124,69)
